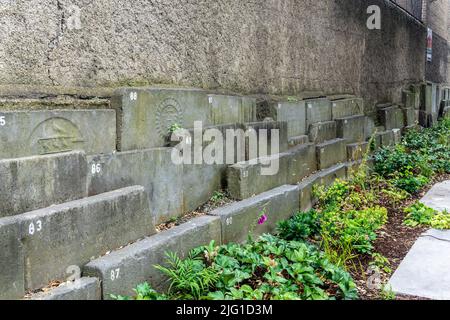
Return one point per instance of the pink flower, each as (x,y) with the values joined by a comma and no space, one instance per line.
(262,219)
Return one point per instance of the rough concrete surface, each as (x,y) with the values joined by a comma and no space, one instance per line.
(266,46)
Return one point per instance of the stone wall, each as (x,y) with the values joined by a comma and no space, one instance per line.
(273,46)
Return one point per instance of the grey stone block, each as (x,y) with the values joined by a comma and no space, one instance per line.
(384,139)
(294,113)
(391,118)
(409,99)
(302,162)
(318,110)
(347,107)
(37,182)
(240,218)
(145,115)
(264,129)
(231,109)
(410,116)
(124,269)
(356,151)
(246,179)
(83,289)
(323,131)
(71,234)
(152,168)
(305,188)
(331,153)
(329,176)
(28,133)
(296,141)
(351,128)
(369,128)
(12,262)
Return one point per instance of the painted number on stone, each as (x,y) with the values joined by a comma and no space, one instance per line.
(229,221)
(75,273)
(133,96)
(96,168)
(32,228)
(2,121)
(115,274)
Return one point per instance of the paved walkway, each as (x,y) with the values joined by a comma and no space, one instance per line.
(425,271)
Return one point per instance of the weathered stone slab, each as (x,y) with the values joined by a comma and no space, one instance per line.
(347,108)
(72,233)
(351,128)
(331,153)
(28,133)
(231,109)
(391,118)
(296,141)
(200,181)
(305,188)
(12,262)
(384,139)
(424,271)
(323,131)
(294,113)
(246,179)
(328,176)
(318,110)
(266,129)
(147,114)
(301,163)
(438,197)
(240,218)
(410,116)
(369,128)
(124,269)
(83,289)
(37,182)
(356,151)
(153,169)
(409,99)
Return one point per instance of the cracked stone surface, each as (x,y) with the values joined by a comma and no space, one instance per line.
(425,271)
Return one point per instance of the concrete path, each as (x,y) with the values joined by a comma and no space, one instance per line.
(425,271)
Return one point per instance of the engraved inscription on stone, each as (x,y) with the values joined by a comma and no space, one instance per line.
(56,135)
(168,113)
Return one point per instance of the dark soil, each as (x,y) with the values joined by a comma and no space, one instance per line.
(219,200)
(394,242)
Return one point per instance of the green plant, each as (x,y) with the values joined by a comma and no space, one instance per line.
(189,278)
(441,221)
(218,196)
(267,269)
(174,128)
(386,293)
(418,214)
(300,227)
(380,262)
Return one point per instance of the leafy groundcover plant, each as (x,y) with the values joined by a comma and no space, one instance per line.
(419,214)
(421,155)
(270,268)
